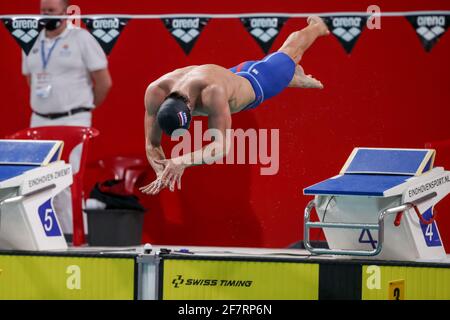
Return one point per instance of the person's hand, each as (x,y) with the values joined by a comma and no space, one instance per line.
(170,176)
(157,185)
(173,170)
(153,188)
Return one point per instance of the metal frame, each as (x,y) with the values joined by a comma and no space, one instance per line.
(148,281)
(371,226)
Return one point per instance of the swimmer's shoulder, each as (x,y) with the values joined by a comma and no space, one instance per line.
(186,69)
(159,87)
(211,67)
(154,96)
(180,71)
(174,75)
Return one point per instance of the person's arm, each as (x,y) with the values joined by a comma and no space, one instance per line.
(102,85)
(96,62)
(154,97)
(219,119)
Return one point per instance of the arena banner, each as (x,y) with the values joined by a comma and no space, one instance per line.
(405,283)
(347,29)
(223,280)
(429,28)
(264,29)
(186,30)
(106,30)
(24,30)
(66,278)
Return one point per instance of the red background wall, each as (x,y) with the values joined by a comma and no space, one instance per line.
(388,93)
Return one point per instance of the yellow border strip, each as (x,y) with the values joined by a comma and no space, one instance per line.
(420,283)
(66,277)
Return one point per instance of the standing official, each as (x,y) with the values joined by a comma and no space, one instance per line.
(67,72)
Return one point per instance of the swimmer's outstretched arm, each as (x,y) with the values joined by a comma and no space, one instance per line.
(219,121)
(154,97)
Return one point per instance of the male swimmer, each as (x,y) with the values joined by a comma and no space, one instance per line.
(213,91)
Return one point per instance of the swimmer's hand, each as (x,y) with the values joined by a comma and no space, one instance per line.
(171,175)
(153,188)
(156,185)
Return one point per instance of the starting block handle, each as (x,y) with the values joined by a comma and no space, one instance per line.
(372,226)
(309,225)
(414,204)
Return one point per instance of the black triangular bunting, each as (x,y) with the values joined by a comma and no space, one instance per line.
(25,31)
(347,29)
(106,30)
(186,30)
(429,28)
(264,29)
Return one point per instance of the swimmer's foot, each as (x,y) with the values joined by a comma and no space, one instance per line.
(309,82)
(321,26)
(306,81)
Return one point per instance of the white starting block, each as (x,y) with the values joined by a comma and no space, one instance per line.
(31,174)
(384,200)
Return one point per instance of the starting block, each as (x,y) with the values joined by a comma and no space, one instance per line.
(381,204)
(31,174)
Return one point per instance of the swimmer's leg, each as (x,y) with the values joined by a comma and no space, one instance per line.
(296,45)
(299,41)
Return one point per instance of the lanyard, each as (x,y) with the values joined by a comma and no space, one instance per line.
(46,58)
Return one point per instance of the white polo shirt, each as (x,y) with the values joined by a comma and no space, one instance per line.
(74,56)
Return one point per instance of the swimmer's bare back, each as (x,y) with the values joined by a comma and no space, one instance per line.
(197,80)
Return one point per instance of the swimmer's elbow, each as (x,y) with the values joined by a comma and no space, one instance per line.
(154,96)
(152,87)
(154,144)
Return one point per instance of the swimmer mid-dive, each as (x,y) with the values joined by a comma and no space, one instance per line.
(216,92)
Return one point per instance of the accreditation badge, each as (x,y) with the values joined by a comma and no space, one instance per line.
(43,85)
